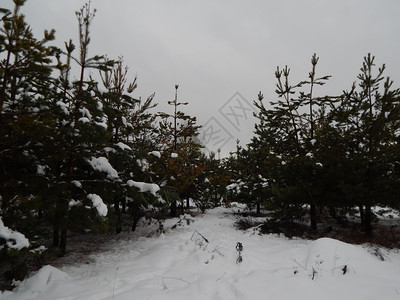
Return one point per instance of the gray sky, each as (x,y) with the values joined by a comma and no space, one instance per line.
(223,52)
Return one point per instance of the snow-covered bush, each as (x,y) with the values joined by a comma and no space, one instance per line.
(12,239)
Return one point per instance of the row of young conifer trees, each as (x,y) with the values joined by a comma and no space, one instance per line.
(78,150)
(311,154)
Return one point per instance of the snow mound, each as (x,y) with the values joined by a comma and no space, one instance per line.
(327,256)
(42,281)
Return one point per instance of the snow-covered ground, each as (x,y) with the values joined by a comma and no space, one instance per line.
(197,260)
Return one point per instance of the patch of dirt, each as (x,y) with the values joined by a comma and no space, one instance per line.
(81,246)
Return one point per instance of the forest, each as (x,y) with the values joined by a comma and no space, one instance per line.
(79,153)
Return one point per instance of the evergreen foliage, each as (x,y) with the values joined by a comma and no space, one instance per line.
(74,154)
(180,167)
(330,152)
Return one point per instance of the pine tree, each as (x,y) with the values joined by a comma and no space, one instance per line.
(25,114)
(286,134)
(370,121)
(178,135)
(211,184)
(80,134)
(129,123)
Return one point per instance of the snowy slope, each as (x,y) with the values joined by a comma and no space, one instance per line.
(181,264)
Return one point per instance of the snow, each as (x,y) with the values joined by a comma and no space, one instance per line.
(103,124)
(38,250)
(109,149)
(123,146)
(235,186)
(232,186)
(195,258)
(98,204)
(76,183)
(63,107)
(386,212)
(174,155)
(103,165)
(83,120)
(47,277)
(155,153)
(310,155)
(41,170)
(85,113)
(144,187)
(73,203)
(143,163)
(14,239)
(123,119)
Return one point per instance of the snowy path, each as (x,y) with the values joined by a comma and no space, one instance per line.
(174,266)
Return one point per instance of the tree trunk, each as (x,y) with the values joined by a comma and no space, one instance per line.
(332,212)
(216,199)
(56,233)
(137,214)
(313,216)
(56,237)
(136,219)
(124,206)
(362,214)
(173,209)
(258,208)
(133,228)
(63,241)
(118,225)
(368,220)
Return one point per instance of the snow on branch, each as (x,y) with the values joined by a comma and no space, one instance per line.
(98,204)
(144,187)
(15,239)
(123,146)
(103,165)
(155,153)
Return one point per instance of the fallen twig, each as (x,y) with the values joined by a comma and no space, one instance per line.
(200,235)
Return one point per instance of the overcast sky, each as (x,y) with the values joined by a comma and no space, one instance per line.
(223,52)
